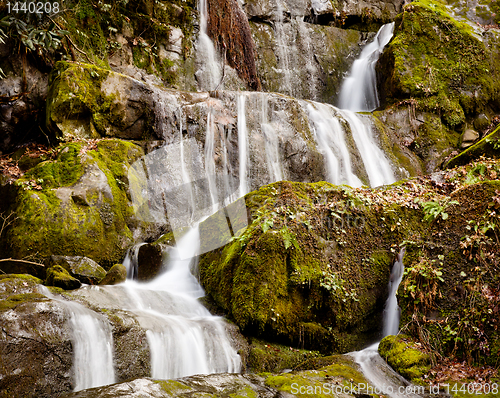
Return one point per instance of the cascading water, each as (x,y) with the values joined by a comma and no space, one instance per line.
(271,144)
(379,374)
(92,342)
(331,140)
(184,338)
(359,89)
(209,72)
(242,145)
(359,94)
(376,164)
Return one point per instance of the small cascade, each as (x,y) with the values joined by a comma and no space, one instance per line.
(376,164)
(131,262)
(242,146)
(183,337)
(282,50)
(209,72)
(375,369)
(271,144)
(359,90)
(330,138)
(392,310)
(209,160)
(359,94)
(92,348)
(92,345)
(312,72)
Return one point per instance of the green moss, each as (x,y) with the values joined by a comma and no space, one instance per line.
(488,146)
(172,386)
(245,392)
(96,226)
(404,356)
(59,277)
(274,358)
(18,299)
(312,383)
(438,62)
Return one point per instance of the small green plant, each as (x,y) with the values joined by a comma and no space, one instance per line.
(433,209)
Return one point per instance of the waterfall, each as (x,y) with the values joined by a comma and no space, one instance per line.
(392,310)
(358,94)
(375,369)
(330,138)
(184,338)
(271,144)
(359,90)
(209,160)
(209,72)
(242,145)
(92,343)
(282,50)
(376,164)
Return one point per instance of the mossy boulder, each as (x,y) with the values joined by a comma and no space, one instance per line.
(116,274)
(291,274)
(275,358)
(312,266)
(86,102)
(57,276)
(78,204)
(440,63)
(405,356)
(84,269)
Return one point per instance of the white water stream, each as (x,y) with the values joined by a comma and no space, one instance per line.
(359,89)
(382,377)
(92,343)
(209,73)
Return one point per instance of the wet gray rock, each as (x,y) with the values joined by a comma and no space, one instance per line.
(35,343)
(217,385)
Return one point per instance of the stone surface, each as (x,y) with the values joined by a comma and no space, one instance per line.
(84,269)
(35,343)
(83,203)
(468,138)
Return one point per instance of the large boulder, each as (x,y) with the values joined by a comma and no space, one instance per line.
(35,343)
(78,204)
(441,65)
(313,263)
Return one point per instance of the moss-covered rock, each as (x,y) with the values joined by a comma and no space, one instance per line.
(84,269)
(489,146)
(286,275)
(57,276)
(441,63)
(275,358)
(405,356)
(78,205)
(116,274)
(311,267)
